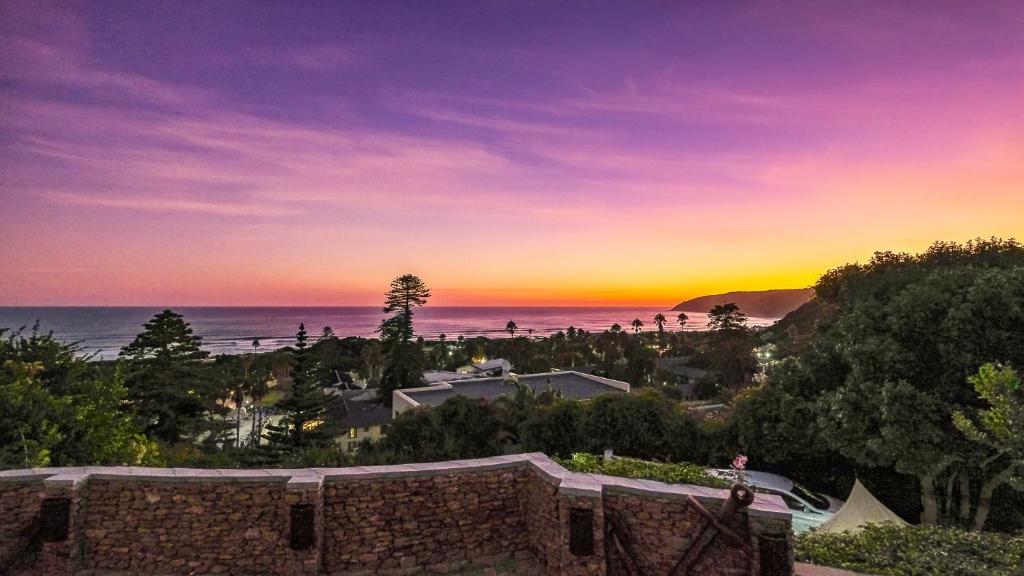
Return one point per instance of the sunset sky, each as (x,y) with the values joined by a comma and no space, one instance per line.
(509,153)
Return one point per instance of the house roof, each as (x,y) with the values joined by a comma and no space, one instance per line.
(678,365)
(360,408)
(571,385)
(436,376)
(492,364)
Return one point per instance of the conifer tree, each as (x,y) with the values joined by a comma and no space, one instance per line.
(304,423)
(404,360)
(166,382)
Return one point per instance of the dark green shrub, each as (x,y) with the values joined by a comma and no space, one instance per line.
(915,550)
(682,473)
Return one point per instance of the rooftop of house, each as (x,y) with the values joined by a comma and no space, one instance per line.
(360,408)
(488,365)
(679,365)
(437,376)
(570,385)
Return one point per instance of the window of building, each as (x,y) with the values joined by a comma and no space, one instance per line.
(353,432)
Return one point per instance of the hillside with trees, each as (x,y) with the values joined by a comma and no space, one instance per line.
(885,379)
(762,303)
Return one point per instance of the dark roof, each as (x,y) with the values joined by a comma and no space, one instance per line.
(678,365)
(359,413)
(571,385)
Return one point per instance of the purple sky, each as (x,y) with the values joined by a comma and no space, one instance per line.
(508,152)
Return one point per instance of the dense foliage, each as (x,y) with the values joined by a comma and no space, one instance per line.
(887,367)
(170,387)
(644,425)
(680,473)
(915,551)
(58,410)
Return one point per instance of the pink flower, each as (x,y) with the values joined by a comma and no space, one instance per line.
(739,462)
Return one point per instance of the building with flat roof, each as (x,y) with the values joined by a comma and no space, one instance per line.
(569,385)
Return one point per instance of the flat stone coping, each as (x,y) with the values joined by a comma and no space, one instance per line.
(571,484)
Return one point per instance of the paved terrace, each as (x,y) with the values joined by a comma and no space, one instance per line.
(404,519)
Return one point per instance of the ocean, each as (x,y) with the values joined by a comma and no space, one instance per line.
(102,331)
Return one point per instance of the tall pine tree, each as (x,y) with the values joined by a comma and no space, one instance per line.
(304,423)
(404,360)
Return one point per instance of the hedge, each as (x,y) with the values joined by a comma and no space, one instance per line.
(887,549)
(682,473)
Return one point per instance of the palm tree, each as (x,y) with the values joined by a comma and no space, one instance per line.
(682,320)
(660,320)
(616,328)
(258,390)
(637,325)
(441,351)
(239,399)
(511,327)
(252,393)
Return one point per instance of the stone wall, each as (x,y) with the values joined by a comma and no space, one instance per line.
(662,529)
(522,512)
(422,520)
(152,527)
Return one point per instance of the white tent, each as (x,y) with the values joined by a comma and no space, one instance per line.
(860,508)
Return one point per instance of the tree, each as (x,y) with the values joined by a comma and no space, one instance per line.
(729,348)
(304,424)
(165,380)
(640,362)
(511,328)
(441,353)
(259,387)
(999,427)
(404,361)
(660,321)
(893,354)
(58,410)
(459,428)
(682,318)
(726,317)
(637,325)
(638,425)
(555,429)
(406,293)
(372,357)
(237,375)
(403,368)
(326,334)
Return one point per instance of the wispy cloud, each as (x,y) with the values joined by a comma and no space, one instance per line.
(31,61)
(152,204)
(576,159)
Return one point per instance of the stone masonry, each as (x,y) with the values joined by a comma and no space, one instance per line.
(466,516)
